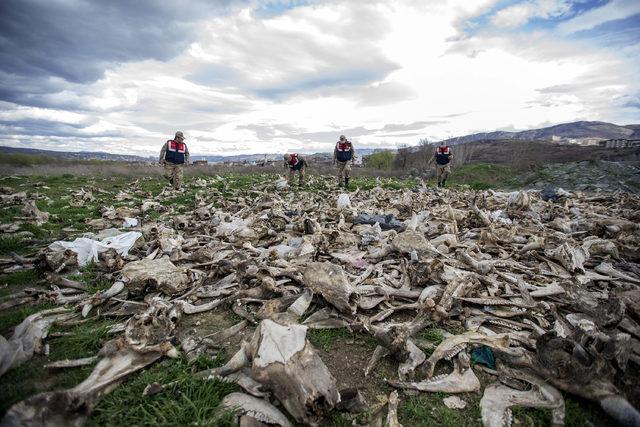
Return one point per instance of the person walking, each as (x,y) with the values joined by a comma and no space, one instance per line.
(443,157)
(296,164)
(173,156)
(344,157)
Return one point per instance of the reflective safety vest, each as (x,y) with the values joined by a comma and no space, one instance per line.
(295,163)
(175,152)
(344,151)
(442,155)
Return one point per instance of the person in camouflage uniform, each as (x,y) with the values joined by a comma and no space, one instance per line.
(173,156)
(296,164)
(443,169)
(344,157)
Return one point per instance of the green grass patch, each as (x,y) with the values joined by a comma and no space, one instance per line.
(86,339)
(189,401)
(10,244)
(14,282)
(429,410)
(24,277)
(326,339)
(481,176)
(432,335)
(9,214)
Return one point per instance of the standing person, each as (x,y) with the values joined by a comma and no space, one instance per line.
(344,156)
(296,163)
(173,156)
(443,157)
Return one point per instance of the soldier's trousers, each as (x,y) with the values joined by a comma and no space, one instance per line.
(344,170)
(175,173)
(442,172)
(292,174)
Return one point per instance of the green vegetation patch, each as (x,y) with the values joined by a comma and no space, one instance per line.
(84,340)
(187,401)
(326,339)
(480,176)
(10,244)
(381,160)
(429,410)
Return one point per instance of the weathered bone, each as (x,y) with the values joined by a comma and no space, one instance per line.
(159,274)
(260,409)
(498,399)
(27,338)
(458,381)
(329,280)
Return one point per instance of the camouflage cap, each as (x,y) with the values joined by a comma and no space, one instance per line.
(287,157)
(342,137)
(179,134)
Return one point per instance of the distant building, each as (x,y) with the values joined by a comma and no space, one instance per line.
(620,143)
(200,162)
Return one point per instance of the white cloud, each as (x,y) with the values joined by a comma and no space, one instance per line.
(519,14)
(614,10)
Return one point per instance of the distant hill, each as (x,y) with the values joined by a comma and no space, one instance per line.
(79,155)
(575,130)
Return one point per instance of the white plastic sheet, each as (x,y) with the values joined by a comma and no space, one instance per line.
(130,222)
(343,201)
(88,249)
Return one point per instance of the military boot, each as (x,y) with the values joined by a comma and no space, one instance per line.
(346,183)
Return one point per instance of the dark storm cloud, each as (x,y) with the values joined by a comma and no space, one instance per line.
(77,41)
(48,128)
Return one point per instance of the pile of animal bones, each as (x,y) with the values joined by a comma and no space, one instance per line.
(550,287)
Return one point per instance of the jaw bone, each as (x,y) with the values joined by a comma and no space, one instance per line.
(454,344)
(258,409)
(498,399)
(461,380)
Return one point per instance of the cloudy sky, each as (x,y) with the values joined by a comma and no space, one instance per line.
(259,76)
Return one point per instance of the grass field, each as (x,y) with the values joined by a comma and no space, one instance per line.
(189,401)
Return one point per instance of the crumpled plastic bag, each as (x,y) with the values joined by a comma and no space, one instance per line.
(554,194)
(386,222)
(500,216)
(483,355)
(371,235)
(129,222)
(281,184)
(343,201)
(237,227)
(88,249)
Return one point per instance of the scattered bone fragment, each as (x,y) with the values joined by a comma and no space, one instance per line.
(63,364)
(454,402)
(392,414)
(259,409)
(33,214)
